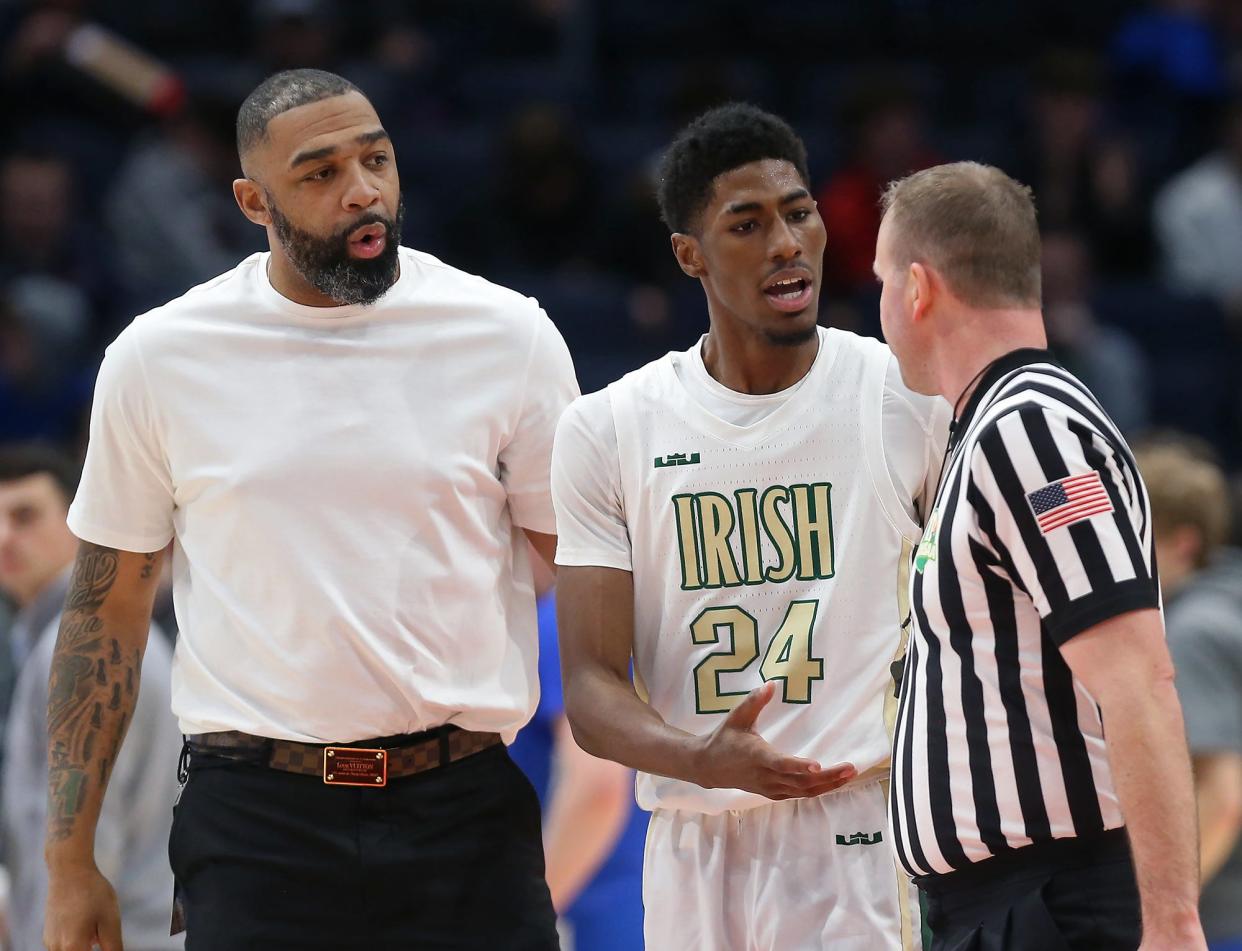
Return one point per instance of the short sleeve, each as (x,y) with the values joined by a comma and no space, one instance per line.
(1062,506)
(586,487)
(916,429)
(549,386)
(125,499)
(1208,660)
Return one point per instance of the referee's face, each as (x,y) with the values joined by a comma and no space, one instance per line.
(901,331)
(759,252)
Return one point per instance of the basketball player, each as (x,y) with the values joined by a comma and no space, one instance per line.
(735,518)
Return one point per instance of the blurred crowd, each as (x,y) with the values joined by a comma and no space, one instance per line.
(527,132)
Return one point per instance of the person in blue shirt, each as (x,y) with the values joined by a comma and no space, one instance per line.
(594,832)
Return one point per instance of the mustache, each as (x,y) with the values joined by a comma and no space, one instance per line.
(370,218)
(790,267)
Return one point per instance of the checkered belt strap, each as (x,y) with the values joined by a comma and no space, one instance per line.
(307,758)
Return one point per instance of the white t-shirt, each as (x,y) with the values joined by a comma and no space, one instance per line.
(344,487)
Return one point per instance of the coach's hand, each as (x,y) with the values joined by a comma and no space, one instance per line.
(734,756)
(82,911)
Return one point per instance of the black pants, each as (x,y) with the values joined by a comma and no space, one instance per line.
(1070,895)
(447,859)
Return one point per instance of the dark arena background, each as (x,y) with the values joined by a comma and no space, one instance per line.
(527,134)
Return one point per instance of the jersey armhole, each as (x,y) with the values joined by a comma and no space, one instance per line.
(875,372)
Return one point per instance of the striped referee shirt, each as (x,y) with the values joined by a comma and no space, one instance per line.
(1040,530)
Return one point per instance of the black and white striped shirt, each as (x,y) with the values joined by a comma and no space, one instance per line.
(1040,530)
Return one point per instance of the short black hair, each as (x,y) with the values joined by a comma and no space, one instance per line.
(718,141)
(25,459)
(280,93)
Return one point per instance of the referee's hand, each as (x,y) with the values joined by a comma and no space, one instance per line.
(734,756)
(82,911)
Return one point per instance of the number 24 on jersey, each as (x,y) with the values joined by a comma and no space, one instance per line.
(788,658)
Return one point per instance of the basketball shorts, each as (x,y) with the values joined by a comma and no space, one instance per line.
(798,875)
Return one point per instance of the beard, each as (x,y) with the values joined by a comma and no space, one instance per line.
(327,265)
(791,338)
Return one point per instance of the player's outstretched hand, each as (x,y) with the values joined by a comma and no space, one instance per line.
(82,911)
(734,756)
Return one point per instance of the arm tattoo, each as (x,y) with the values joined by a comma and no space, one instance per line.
(90,676)
(94,573)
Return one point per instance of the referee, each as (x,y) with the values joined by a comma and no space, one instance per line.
(1040,766)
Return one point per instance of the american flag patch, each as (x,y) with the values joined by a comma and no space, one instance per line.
(1069,500)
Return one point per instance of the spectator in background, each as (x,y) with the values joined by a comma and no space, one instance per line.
(1064,122)
(36,198)
(632,242)
(1198,220)
(498,29)
(39,396)
(885,127)
(593,833)
(295,34)
(43,234)
(1085,176)
(131,844)
(1169,63)
(545,207)
(1105,358)
(1202,585)
(395,66)
(1172,45)
(190,166)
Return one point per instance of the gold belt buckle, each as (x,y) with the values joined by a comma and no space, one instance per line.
(351,766)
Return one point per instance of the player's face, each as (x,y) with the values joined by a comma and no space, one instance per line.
(761,249)
(35,543)
(331,189)
(901,331)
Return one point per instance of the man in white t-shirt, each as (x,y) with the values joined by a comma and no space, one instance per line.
(735,520)
(342,438)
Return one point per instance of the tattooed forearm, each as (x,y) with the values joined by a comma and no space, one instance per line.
(94,574)
(90,694)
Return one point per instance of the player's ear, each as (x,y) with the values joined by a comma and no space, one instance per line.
(688,253)
(252,201)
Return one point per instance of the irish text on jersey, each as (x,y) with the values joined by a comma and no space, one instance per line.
(721,539)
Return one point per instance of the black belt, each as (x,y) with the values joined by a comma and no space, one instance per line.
(365,763)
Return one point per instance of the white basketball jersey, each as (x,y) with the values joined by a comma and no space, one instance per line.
(766,552)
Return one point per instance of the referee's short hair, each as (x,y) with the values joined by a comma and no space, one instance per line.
(975,225)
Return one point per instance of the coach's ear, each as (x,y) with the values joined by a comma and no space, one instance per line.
(689,255)
(251,200)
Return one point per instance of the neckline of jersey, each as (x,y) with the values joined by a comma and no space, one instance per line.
(794,397)
(698,368)
(1001,367)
